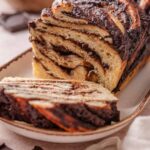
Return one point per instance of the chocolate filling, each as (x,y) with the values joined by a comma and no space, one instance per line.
(86,117)
(62,115)
(81,31)
(10,109)
(83,46)
(83,114)
(62,50)
(126,44)
(92,53)
(64,69)
(108,114)
(121,42)
(99,17)
(39,120)
(91,76)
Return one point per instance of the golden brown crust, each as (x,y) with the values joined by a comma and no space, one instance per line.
(39,72)
(132,74)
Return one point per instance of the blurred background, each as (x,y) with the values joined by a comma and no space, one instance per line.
(29,5)
(14,16)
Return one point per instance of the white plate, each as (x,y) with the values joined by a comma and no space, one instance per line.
(132,101)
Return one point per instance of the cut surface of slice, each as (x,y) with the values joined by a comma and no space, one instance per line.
(72,106)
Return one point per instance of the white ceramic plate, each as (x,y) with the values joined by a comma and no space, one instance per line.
(132,101)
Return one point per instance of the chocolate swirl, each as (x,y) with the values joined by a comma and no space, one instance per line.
(69,106)
(96,40)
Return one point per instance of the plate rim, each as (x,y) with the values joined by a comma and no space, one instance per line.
(4,66)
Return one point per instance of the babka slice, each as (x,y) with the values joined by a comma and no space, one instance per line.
(94,40)
(57,104)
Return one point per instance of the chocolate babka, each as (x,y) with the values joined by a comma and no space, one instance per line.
(95,40)
(58,104)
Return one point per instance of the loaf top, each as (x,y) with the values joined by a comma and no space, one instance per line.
(123,19)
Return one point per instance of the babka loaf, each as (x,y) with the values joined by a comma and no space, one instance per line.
(54,104)
(96,40)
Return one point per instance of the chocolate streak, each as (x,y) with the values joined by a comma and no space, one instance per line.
(10,109)
(47,13)
(85,117)
(94,13)
(83,46)
(129,44)
(91,11)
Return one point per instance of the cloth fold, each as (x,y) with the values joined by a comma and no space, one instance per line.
(138,135)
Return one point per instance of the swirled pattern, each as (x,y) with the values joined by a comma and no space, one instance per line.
(94,40)
(71,106)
